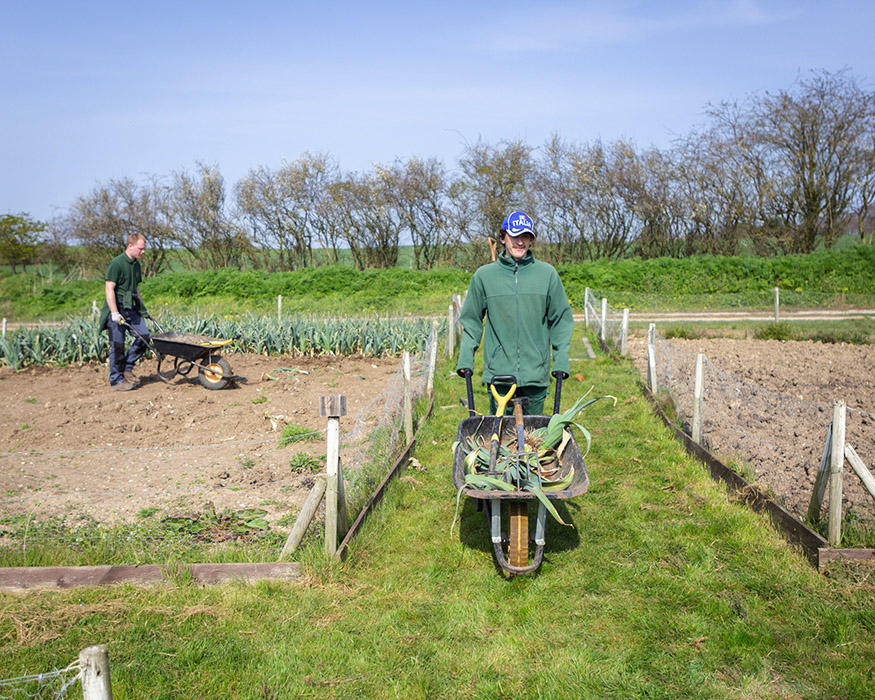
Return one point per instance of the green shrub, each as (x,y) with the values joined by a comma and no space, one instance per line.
(774,331)
(686,332)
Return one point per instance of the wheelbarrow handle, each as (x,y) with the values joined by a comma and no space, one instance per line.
(560,375)
(157,325)
(466,373)
(145,340)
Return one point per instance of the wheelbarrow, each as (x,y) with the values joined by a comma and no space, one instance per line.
(189,350)
(507,511)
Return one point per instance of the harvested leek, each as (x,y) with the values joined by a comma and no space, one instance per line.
(548,442)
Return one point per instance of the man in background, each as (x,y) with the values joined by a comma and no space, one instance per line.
(124,310)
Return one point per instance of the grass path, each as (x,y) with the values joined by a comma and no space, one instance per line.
(662,589)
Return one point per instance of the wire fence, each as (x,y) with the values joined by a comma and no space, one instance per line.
(779,437)
(56,684)
(375,438)
(611,324)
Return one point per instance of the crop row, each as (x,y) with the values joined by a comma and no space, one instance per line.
(81,341)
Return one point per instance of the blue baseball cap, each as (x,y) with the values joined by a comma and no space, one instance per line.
(518,223)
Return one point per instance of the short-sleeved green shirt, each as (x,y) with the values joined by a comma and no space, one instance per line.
(127,275)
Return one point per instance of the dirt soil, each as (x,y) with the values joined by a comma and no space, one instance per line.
(784,399)
(71,446)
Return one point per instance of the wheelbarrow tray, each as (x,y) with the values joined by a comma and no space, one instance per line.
(482,427)
(187,346)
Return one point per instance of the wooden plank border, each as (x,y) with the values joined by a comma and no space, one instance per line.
(20,578)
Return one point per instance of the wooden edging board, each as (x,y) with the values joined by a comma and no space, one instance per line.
(404,457)
(19,578)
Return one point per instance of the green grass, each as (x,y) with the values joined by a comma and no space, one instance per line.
(852,331)
(297,433)
(664,588)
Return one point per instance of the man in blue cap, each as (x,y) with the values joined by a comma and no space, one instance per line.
(528,318)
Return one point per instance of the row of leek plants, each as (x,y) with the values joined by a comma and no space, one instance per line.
(80,340)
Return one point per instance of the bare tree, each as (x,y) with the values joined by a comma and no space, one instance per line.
(806,145)
(497,180)
(650,185)
(369,222)
(200,221)
(282,208)
(864,187)
(102,220)
(710,194)
(563,185)
(418,190)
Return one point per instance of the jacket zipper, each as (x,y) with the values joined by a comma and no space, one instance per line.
(516,284)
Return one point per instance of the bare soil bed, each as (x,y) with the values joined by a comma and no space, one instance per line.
(70,446)
(775,405)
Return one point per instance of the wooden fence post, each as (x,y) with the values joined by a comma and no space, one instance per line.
(586,307)
(651,358)
(836,464)
(624,334)
(432,358)
(821,480)
(96,683)
(305,517)
(698,392)
(408,404)
(457,314)
(4,328)
(279,308)
(603,333)
(95,311)
(333,407)
(777,306)
(451,331)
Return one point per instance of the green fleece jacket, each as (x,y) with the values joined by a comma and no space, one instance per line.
(527,315)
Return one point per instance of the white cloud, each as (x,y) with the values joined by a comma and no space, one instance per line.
(571,26)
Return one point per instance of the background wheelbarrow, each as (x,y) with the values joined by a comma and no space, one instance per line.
(189,350)
(507,511)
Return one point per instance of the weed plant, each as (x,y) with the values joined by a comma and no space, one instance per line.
(775,331)
(684,331)
(153,539)
(297,433)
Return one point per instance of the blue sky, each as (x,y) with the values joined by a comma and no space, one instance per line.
(98,90)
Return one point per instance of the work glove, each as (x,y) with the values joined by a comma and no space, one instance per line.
(117,318)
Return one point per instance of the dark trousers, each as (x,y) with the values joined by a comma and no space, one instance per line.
(119,362)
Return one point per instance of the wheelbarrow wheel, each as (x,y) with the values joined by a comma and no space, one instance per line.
(518,547)
(215,373)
